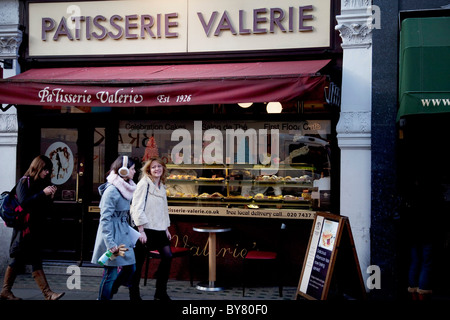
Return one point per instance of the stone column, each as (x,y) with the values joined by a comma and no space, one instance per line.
(10,39)
(354,126)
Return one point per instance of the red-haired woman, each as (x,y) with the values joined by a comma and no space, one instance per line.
(150,213)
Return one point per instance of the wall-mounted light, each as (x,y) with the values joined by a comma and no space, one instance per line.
(245,104)
(274,107)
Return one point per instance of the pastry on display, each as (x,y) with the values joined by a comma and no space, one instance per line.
(211,179)
(181,177)
(289,197)
(215,195)
(181,195)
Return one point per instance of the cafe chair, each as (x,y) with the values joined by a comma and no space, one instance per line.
(177,252)
(259,256)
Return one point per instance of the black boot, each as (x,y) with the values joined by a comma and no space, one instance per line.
(162,295)
(135,294)
(162,277)
(161,290)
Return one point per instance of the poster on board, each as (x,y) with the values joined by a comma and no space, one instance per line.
(330,238)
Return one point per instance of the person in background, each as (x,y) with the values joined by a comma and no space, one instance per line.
(113,232)
(423,212)
(150,214)
(35,195)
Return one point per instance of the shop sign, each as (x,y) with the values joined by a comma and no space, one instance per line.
(291,214)
(294,214)
(331,261)
(91,28)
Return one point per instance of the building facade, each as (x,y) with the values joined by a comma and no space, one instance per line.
(10,40)
(364,66)
(389,249)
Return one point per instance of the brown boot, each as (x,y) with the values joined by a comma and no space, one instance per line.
(10,276)
(41,280)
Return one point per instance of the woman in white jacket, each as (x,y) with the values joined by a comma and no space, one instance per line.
(150,214)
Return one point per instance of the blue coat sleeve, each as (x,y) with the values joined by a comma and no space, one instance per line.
(107,209)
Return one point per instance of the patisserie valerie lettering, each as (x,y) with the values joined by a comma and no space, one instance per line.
(57,95)
(134,26)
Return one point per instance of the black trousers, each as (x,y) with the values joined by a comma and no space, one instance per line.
(156,240)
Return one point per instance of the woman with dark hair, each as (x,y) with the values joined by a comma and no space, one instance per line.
(113,232)
(35,194)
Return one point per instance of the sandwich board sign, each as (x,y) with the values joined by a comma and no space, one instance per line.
(331,263)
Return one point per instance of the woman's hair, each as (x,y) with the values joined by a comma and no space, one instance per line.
(147,166)
(117,164)
(37,165)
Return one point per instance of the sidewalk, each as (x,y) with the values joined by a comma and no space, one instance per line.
(26,288)
(189,301)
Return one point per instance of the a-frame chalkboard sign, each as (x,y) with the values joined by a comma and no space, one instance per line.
(331,268)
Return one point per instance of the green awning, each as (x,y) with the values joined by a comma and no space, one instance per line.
(424,75)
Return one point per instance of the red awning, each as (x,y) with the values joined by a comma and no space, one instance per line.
(166,85)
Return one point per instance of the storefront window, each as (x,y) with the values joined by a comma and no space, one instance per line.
(237,164)
(60,145)
(99,168)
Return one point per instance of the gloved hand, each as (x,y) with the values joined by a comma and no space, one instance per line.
(121,250)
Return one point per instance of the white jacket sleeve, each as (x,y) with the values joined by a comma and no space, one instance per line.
(137,208)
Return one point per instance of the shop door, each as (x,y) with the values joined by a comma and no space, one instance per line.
(78,169)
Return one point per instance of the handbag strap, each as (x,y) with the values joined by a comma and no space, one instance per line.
(13,190)
(146,195)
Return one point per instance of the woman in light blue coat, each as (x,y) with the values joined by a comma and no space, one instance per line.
(114,232)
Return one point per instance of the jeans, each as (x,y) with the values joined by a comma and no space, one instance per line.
(108,285)
(420,267)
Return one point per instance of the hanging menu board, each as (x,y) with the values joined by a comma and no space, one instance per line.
(331,261)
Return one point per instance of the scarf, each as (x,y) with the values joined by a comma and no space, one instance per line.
(125,188)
